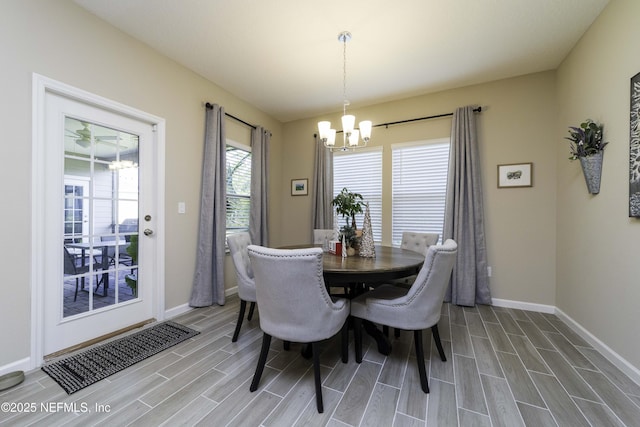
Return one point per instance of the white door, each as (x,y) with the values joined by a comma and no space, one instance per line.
(100,237)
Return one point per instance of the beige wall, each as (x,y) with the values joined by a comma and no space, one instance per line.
(550,244)
(597,243)
(63,42)
(516,125)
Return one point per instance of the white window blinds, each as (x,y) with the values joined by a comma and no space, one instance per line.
(419,186)
(238,187)
(361,172)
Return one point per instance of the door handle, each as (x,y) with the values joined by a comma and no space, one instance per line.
(148,232)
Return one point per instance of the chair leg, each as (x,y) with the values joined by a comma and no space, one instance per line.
(345,341)
(75,296)
(286,345)
(266,342)
(357,334)
(436,338)
(396,332)
(315,350)
(385,330)
(251,308)
(417,337)
(243,307)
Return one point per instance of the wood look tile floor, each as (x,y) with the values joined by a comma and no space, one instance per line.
(504,367)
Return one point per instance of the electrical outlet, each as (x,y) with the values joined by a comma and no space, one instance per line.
(489,271)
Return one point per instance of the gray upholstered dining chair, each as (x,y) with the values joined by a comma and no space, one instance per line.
(412,309)
(294,304)
(417,242)
(238,244)
(319,235)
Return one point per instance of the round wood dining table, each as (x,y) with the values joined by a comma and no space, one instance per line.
(388,264)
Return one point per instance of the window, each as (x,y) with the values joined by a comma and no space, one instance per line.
(238,187)
(419,187)
(361,172)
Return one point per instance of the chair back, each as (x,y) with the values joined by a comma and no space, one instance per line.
(69,262)
(418,242)
(70,265)
(293,301)
(424,299)
(319,234)
(238,244)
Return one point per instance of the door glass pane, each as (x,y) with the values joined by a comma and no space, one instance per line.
(100,217)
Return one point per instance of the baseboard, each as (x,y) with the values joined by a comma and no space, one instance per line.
(18,365)
(184,308)
(542,308)
(177,311)
(613,357)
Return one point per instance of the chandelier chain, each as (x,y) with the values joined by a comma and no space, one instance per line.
(344,75)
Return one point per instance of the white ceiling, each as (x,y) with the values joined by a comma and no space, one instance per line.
(283,56)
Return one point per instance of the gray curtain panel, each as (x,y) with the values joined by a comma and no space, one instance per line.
(464,214)
(258,219)
(322,188)
(208,281)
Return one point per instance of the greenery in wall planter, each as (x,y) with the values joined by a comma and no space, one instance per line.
(587,145)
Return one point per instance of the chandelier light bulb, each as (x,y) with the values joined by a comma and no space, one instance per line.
(365,130)
(331,138)
(353,138)
(323,130)
(348,123)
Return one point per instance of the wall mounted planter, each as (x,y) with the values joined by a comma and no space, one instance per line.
(592,169)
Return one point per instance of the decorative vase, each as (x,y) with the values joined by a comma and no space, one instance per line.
(592,169)
(367,247)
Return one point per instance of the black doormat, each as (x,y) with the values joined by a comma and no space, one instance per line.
(76,372)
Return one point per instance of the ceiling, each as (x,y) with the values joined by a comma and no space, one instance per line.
(284,57)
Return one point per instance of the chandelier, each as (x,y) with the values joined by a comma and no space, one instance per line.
(350,136)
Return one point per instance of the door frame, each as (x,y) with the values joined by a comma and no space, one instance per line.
(42,85)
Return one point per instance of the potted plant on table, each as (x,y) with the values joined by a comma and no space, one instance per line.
(587,144)
(348,204)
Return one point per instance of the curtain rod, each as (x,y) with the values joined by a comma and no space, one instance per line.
(475,110)
(210,106)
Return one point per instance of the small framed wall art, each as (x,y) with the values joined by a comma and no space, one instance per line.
(299,187)
(515,175)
